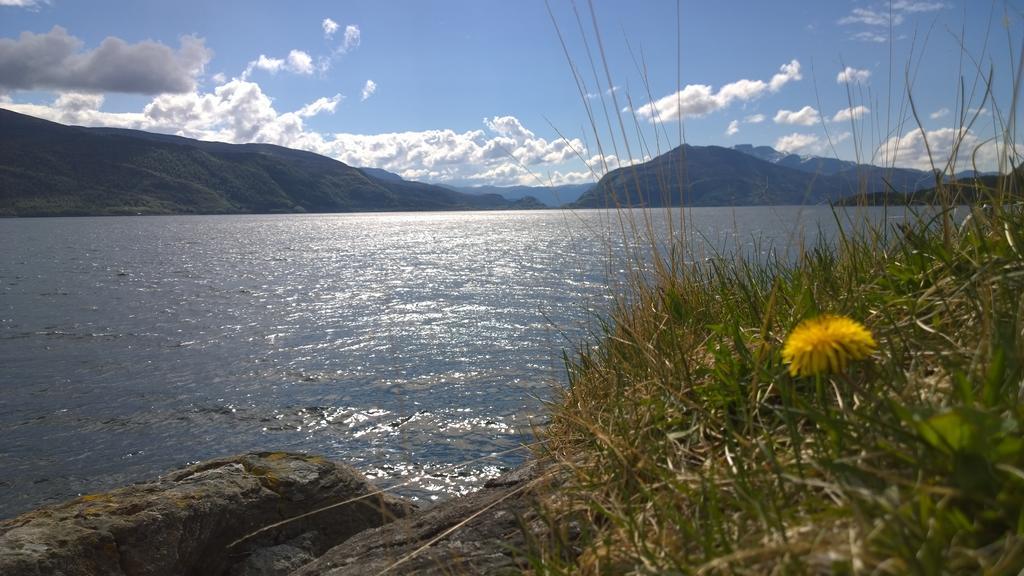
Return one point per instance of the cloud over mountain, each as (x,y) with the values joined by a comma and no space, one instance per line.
(695,100)
(806,116)
(56,60)
(238,111)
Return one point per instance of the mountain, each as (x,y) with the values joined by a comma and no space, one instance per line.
(381,174)
(745,175)
(49,169)
(856,177)
(813,164)
(974,188)
(713,176)
(552,196)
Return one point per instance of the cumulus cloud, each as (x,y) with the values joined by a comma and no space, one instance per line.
(733,128)
(300,62)
(368,89)
(329,26)
(78,109)
(297,62)
(272,65)
(851,113)
(910,150)
(56,61)
(699,99)
(940,113)
(21,3)
(806,116)
(558,178)
(754,119)
(320,105)
(352,38)
(786,74)
(797,143)
(853,75)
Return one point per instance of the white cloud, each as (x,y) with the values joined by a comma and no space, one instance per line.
(754,119)
(806,116)
(320,105)
(910,150)
(797,143)
(353,37)
(55,61)
(557,178)
(21,3)
(871,17)
(940,113)
(297,62)
(733,128)
(913,6)
(300,62)
(852,113)
(787,73)
(699,99)
(885,15)
(77,109)
(272,65)
(851,74)
(368,89)
(870,36)
(329,26)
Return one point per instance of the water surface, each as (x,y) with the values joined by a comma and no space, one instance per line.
(400,343)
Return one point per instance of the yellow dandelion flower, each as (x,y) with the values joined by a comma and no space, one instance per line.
(826,344)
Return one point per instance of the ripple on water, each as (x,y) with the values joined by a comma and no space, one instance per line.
(403,344)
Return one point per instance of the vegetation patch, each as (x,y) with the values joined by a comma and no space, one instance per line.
(693,440)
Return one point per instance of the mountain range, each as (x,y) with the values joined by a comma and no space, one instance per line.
(49,169)
(551,196)
(744,175)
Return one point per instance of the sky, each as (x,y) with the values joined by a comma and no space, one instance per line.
(506,92)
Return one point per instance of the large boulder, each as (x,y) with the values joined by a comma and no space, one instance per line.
(184,523)
(480,533)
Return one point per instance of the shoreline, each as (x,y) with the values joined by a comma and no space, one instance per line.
(266,513)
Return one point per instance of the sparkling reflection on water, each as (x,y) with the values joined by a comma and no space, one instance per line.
(399,343)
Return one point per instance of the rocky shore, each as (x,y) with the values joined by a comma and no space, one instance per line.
(190,521)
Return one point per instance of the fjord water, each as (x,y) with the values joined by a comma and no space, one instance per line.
(400,343)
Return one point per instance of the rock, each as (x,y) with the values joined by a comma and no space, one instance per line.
(486,544)
(279,560)
(183,523)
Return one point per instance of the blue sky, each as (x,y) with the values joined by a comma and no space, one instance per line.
(480,92)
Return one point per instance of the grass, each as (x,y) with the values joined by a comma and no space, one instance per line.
(686,446)
(683,445)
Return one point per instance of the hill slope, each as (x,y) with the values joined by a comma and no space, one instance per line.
(48,169)
(716,176)
(713,176)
